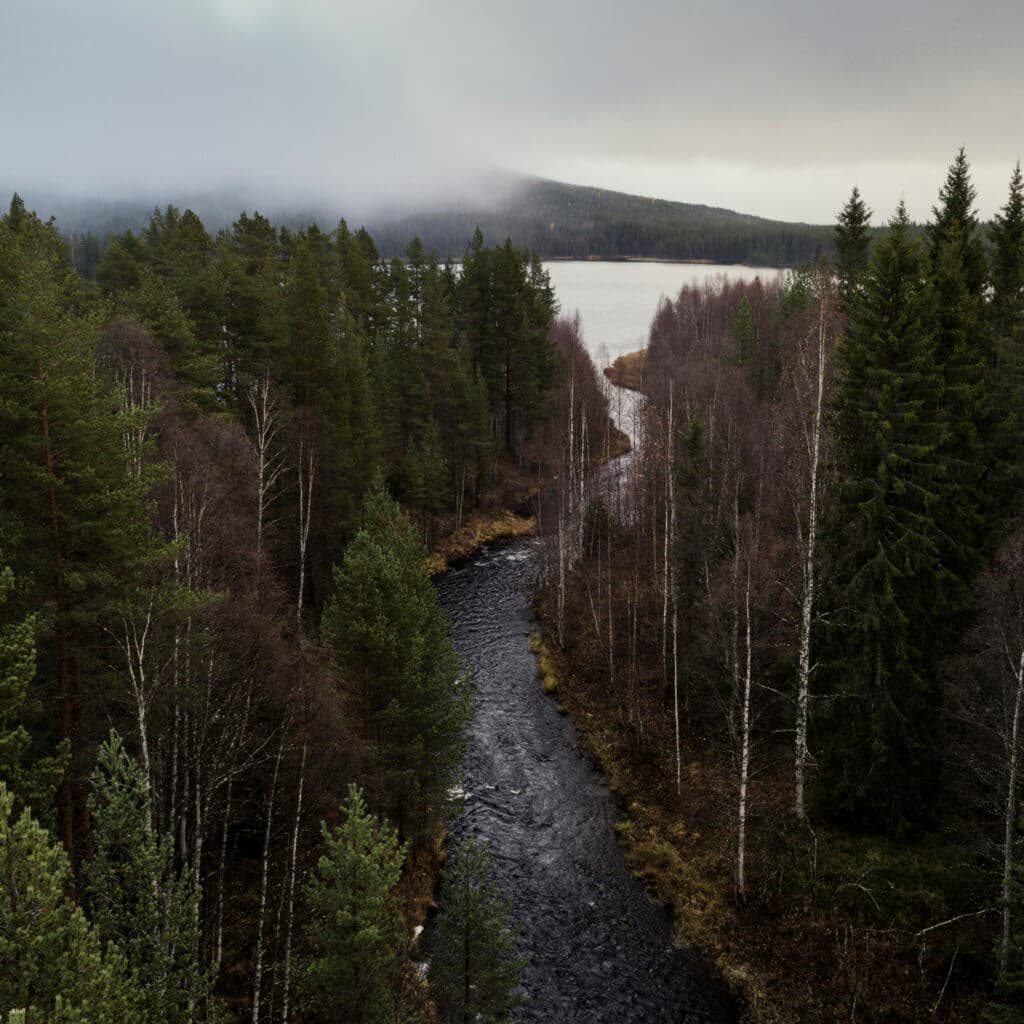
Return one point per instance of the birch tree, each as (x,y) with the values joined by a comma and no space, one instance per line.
(988,699)
(806,372)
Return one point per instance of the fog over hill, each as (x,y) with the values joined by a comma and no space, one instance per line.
(554,219)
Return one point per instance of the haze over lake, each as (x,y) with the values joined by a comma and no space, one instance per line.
(617,300)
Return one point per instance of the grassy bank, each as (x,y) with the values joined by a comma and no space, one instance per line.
(833,926)
(480,529)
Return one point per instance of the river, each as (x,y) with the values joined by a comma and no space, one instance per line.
(599,949)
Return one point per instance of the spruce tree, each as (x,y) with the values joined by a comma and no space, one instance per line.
(955,222)
(966,350)
(1007,233)
(887,586)
(355,933)
(474,972)
(392,645)
(853,245)
(1007,324)
(80,518)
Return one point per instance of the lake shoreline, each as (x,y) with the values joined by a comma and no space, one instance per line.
(669,260)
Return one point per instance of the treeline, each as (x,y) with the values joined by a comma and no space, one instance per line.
(553,219)
(561,221)
(215,616)
(802,622)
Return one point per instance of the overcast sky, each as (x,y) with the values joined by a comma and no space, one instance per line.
(770,108)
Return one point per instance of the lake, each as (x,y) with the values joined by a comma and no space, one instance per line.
(617,301)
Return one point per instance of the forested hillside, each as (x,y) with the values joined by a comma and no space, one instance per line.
(564,221)
(223,465)
(550,218)
(796,643)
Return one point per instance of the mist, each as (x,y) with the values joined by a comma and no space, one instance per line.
(395,104)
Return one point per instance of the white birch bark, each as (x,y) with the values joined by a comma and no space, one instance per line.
(741,843)
(1011,810)
(306,474)
(809,581)
(268,463)
(264,875)
(291,889)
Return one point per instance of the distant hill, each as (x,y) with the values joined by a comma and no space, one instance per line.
(553,219)
(558,220)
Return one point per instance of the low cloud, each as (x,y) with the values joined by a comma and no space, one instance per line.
(772,109)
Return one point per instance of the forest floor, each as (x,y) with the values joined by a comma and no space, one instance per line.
(832,927)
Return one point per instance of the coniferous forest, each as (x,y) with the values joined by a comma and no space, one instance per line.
(232,716)
(223,467)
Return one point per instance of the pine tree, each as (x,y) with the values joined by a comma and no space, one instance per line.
(474,973)
(853,245)
(80,518)
(50,956)
(134,896)
(35,782)
(306,363)
(887,586)
(355,933)
(392,645)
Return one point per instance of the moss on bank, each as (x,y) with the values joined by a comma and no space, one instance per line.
(832,923)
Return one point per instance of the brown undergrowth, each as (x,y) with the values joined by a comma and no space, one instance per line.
(832,925)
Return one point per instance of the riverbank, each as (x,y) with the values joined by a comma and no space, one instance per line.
(506,521)
(477,532)
(830,920)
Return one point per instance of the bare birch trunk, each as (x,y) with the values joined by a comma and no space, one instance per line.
(306,475)
(741,844)
(268,465)
(572,444)
(561,575)
(1011,812)
(291,889)
(265,872)
(807,604)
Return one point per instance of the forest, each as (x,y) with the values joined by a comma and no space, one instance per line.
(796,642)
(231,716)
(791,635)
(550,218)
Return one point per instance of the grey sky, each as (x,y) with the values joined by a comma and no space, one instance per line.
(774,109)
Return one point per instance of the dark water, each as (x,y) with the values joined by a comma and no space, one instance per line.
(599,948)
